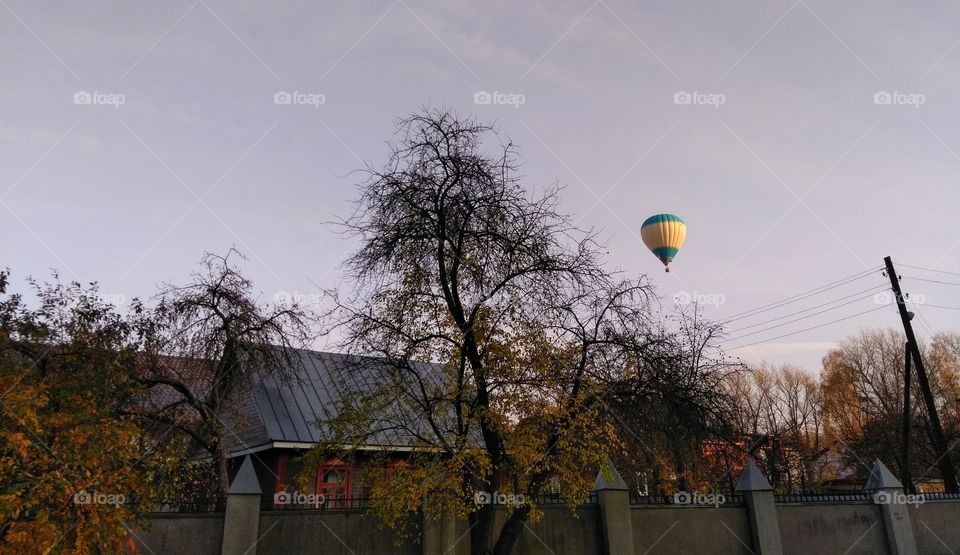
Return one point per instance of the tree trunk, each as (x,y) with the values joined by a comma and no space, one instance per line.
(481,530)
(511,531)
(223,477)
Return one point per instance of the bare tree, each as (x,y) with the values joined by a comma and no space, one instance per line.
(461,266)
(204,339)
(675,415)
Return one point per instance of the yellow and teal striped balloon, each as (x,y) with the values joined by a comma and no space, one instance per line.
(663,234)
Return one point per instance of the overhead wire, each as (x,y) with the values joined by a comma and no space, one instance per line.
(940,306)
(929,269)
(810,328)
(801,296)
(871,295)
(932,280)
(875,289)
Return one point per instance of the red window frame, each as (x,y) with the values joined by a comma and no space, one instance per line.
(394,465)
(281,483)
(337,495)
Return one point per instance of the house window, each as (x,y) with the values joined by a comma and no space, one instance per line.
(394,466)
(280,484)
(333,481)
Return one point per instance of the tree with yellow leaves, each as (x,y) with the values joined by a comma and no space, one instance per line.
(74,472)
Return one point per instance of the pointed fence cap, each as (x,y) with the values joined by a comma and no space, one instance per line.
(614,483)
(245,482)
(752,479)
(882,478)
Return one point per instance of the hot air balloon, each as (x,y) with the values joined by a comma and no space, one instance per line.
(663,234)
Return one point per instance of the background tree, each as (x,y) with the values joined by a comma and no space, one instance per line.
(73,468)
(674,415)
(863,398)
(461,266)
(204,340)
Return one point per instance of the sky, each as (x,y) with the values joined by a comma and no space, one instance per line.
(800,141)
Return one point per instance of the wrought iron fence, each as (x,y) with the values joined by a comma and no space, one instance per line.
(320,503)
(199,505)
(314,503)
(852,497)
(557,499)
(684,499)
(938,496)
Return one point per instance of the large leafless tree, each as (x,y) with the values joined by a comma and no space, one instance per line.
(461,265)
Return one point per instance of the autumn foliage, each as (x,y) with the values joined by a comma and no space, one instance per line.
(74,472)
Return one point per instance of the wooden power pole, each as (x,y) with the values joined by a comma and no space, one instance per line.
(944,461)
(905,447)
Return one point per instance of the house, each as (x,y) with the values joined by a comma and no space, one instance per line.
(277,421)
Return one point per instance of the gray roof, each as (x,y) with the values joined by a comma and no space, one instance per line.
(292,410)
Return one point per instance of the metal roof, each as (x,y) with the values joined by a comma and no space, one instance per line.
(291,410)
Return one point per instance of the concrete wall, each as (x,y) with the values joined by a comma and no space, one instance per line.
(804,528)
(199,534)
(824,528)
(559,531)
(665,529)
(328,532)
(936,527)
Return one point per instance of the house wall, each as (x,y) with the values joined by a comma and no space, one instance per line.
(266,465)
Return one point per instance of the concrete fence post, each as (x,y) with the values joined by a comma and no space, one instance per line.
(761,511)
(613,495)
(241,520)
(446,535)
(888,493)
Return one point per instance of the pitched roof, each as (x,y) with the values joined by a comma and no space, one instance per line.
(274,410)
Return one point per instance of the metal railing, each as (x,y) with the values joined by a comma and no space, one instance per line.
(353,504)
(557,499)
(852,497)
(200,505)
(689,500)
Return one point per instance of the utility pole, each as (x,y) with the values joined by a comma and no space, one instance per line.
(944,462)
(905,447)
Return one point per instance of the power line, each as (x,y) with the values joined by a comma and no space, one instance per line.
(941,306)
(930,269)
(810,328)
(871,290)
(800,296)
(932,280)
